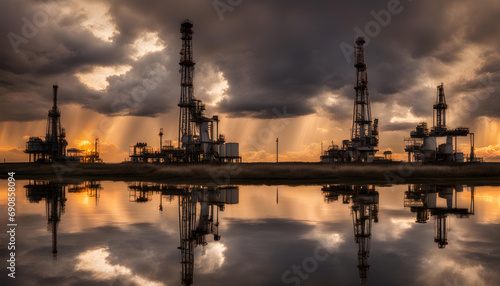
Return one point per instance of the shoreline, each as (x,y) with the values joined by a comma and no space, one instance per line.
(299,173)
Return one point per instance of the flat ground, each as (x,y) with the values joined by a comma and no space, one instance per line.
(263,173)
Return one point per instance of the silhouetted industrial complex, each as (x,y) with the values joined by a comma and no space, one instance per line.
(199,138)
(422,143)
(364,134)
(53,148)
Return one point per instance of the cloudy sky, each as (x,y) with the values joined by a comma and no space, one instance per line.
(268,68)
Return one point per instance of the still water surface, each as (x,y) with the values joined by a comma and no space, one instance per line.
(120,233)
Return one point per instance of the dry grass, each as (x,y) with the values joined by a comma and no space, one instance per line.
(263,172)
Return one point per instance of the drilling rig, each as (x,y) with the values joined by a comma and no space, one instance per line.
(53,148)
(198,136)
(422,145)
(364,133)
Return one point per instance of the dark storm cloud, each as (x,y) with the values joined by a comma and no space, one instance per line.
(273,54)
(399,126)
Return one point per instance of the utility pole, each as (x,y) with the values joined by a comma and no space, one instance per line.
(276,150)
(161,138)
(277,195)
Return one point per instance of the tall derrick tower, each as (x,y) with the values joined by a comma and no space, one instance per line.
(439,114)
(186,103)
(363,134)
(362,118)
(56,136)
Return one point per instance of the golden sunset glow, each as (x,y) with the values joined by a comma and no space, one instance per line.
(250,142)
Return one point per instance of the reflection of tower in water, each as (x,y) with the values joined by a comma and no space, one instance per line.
(423,200)
(55,199)
(92,188)
(364,211)
(193,232)
(198,208)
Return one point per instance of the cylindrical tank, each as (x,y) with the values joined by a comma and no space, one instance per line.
(232,149)
(430,143)
(222,150)
(446,149)
(231,195)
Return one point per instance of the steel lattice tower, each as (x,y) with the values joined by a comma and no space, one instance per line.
(187,223)
(440,109)
(362,118)
(55,136)
(364,212)
(186,103)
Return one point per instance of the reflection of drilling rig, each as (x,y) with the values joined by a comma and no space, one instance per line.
(55,199)
(424,201)
(364,136)
(199,138)
(364,211)
(198,215)
(92,188)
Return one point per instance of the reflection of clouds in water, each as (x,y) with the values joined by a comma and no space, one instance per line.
(452,272)
(395,229)
(331,241)
(95,261)
(212,260)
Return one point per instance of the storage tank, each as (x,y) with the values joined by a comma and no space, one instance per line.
(459,157)
(431,200)
(232,195)
(430,143)
(446,149)
(222,150)
(232,150)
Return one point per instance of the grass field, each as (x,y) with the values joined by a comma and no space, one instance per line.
(260,173)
